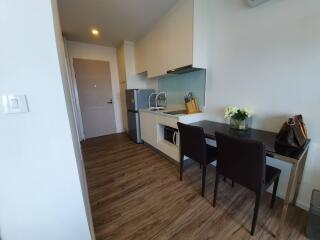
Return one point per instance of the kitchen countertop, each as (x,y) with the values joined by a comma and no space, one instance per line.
(163,112)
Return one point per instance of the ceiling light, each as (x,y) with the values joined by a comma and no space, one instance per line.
(95,32)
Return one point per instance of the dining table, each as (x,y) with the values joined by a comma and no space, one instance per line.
(295,157)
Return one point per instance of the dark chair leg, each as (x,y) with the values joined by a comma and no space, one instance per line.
(274,192)
(181,168)
(256,213)
(224,178)
(200,165)
(232,183)
(204,173)
(215,192)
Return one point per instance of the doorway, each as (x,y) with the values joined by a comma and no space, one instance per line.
(93,79)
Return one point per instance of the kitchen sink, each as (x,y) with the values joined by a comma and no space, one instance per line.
(177,112)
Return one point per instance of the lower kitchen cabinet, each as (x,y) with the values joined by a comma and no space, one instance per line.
(148,123)
(152,130)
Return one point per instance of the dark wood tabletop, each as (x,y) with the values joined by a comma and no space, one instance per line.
(268,138)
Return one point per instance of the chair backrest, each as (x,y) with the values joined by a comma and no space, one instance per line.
(242,160)
(192,142)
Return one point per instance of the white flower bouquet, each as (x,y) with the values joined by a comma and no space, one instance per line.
(238,116)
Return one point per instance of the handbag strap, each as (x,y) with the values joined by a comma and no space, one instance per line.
(299,129)
(302,125)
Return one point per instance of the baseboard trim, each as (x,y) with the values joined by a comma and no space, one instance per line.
(162,154)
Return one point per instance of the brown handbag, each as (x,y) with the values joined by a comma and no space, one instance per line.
(293,133)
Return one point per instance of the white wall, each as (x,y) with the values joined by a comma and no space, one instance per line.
(95,52)
(71,104)
(41,196)
(268,58)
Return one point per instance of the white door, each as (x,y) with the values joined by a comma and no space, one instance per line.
(95,97)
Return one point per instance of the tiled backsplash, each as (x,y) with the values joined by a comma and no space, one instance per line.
(177,86)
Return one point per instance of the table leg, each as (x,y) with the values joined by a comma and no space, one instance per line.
(299,177)
(287,199)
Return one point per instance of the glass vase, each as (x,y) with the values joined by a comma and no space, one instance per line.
(240,124)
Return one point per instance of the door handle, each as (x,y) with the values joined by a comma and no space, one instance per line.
(110,101)
(174,138)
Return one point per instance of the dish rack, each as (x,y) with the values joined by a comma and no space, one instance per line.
(159,101)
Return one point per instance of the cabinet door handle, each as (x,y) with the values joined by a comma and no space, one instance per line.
(174,138)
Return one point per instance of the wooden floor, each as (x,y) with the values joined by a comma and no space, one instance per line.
(135,193)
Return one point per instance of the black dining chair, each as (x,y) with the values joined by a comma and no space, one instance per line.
(193,145)
(244,161)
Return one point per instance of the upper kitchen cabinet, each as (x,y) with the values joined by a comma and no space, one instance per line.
(178,39)
(141,55)
(157,51)
(179,22)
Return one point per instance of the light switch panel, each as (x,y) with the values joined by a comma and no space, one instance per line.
(15,104)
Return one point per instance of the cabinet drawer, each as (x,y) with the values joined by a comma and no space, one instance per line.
(168,121)
(169,149)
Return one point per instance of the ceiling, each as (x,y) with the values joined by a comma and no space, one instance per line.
(116,20)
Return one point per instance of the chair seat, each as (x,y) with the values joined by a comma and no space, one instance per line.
(212,153)
(271,174)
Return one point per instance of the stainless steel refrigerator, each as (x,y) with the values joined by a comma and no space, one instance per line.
(136,99)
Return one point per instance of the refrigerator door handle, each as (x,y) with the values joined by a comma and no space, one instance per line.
(133,111)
